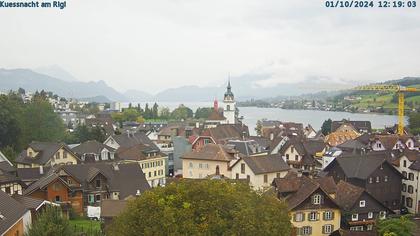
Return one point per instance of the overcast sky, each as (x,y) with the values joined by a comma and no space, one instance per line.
(152,45)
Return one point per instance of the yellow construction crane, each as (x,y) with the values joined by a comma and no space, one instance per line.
(395,89)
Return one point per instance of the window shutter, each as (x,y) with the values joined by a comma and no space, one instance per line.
(332,228)
(299,231)
(317,215)
(310,229)
(294,217)
(321,199)
(303,216)
(324,215)
(332,215)
(312,199)
(323,229)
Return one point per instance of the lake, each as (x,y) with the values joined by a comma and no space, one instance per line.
(315,118)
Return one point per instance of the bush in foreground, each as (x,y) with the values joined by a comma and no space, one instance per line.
(203,207)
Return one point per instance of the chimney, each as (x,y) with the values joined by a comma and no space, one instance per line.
(41,170)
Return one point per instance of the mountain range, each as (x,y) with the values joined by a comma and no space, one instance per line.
(61,82)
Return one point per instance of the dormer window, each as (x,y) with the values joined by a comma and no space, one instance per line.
(57,155)
(316,199)
(362,203)
(30,154)
(98,183)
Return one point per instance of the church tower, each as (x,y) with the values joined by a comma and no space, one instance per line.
(229,109)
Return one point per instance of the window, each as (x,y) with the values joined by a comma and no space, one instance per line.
(98,183)
(379,145)
(278,175)
(206,141)
(292,149)
(410,189)
(327,229)
(265,178)
(316,199)
(362,203)
(191,165)
(404,187)
(228,107)
(296,157)
(370,180)
(328,215)
(404,173)
(385,178)
(378,179)
(354,217)
(287,156)
(98,197)
(57,198)
(237,176)
(57,155)
(150,174)
(370,215)
(299,217)
(356,228)
(242,168)
(405,163)
(154,173)
(313,216)
(30,154)
(248,178)
(382,214)
(409,202)
(411,176)
(369,227)
(200,166)
(305,230)
(64,154)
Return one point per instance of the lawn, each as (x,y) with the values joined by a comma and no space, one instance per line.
(90,227)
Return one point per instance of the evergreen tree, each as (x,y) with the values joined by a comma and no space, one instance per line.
(326,127)
(50,223)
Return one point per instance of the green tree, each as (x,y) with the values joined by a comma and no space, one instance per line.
(164,113)
(205,207)
(155,111)
(326,127)
(414,122)
(182,113)
(11,121)
(50,223)
(401,226)
(203,112)
(41,123)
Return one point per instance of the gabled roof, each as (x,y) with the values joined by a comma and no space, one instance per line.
(298,189)
(339,137)
(11,211)
(358,125)
(225,132)
(44,181)
(211,152)
(137,152)
(389,141)
(46,151)
(359,166)
(119,179)
(91,147)
(215,115)
(347,195)
(3,158)
(266,164)
(30,202)
(247,147)
(130,139)
(303,146)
